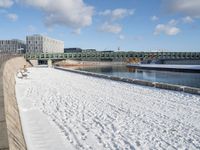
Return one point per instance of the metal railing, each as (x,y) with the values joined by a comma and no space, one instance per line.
(112,55)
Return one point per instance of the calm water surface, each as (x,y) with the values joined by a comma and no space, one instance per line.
(180,78)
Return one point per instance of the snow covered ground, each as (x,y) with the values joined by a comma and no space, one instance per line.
(63,110)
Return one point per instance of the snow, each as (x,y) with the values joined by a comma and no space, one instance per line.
(64,110)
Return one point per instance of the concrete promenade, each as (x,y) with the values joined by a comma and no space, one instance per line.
(11,136)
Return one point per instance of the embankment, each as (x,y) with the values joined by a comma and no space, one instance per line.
(3,135)
(12,137)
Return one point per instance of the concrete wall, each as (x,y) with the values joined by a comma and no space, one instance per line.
(15,139)
(3,131)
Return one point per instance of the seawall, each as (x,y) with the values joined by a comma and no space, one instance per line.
(12,137)
(3,131)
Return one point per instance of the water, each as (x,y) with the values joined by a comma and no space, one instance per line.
(179,78)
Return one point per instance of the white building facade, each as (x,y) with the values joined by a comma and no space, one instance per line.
(12,46)
(43,44)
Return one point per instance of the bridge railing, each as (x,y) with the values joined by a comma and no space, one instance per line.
(113,55)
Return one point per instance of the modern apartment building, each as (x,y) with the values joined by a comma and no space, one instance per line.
(12,46)
(43,44)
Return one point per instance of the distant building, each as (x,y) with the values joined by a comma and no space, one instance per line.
(43,44)
(72,50)
(108,51)
(12,46)
(89,50)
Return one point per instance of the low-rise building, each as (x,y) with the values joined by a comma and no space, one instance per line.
(72,50)
(43,44)
(12,46)
(89,50)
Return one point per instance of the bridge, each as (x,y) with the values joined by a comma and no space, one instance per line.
(114,56)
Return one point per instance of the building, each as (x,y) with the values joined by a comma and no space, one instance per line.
(89,50)
(12,46)
(72,50)
(43,44)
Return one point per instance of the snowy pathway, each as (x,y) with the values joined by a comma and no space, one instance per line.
(91,113)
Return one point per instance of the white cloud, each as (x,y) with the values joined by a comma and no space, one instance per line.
(187,19)
(118,13)
(31,28)
(187,7)
(166,29)
(105,13)
(70,13)
(12,17)
(173,22)
(76,31)
(121,37)
(111,28)
(6,3)
(154,18)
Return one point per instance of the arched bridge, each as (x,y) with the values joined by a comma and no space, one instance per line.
(115,56)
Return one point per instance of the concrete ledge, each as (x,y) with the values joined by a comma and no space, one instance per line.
(165,86)
(142,82)
(168,86)
(3,136)
(192,90)
(3,128)
(13,124)
(127,80)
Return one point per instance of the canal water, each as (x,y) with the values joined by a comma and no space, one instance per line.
(179,78)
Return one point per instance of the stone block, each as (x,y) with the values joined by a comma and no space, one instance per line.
(168,86)
(191,90)
(145,83)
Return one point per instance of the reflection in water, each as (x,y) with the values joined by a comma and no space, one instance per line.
(181,78)
(131,69)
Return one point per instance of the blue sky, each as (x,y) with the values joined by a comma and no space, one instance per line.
(142,25)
